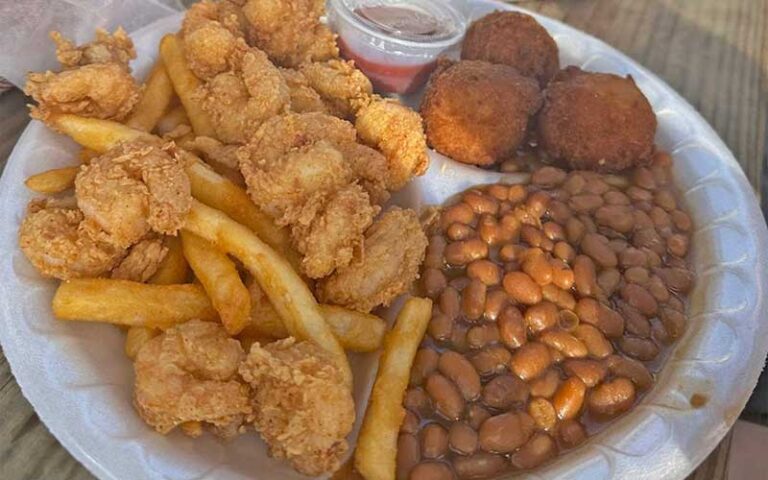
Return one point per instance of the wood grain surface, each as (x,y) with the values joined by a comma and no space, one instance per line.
(713,52)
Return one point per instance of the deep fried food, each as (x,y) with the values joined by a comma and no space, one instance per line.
(238,102)
(596,121)
(56,242)
(335,232)
(213,40)
(398,133)
(301,405)
(133,189)
(477,112)
(341,86)
(290,31)
(514,39)
(142,261)
(189,373)
(304,98)
(116,48)
(394,248)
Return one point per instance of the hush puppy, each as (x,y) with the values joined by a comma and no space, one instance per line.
(514,39)
(596,121)
(477,112)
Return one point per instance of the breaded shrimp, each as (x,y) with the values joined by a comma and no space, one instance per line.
(341,86)
(211,49)
(116,48)
(142,261)
(335,233)
(393,250)
(301,405)
(58,243)
(189,374)
(290,30)
(238,102)
(304,98)
(397,132)
(133,189)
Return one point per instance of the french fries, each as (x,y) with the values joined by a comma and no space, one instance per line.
(356,331)
(220,193)
(53,181)
(133,304)
(174,268)
(185,83)
(136,337)
(96,134)
(158,92)
(172,119)
(375,456)
(221,281)
(288,293)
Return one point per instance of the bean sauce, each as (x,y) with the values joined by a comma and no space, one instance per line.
(556,304)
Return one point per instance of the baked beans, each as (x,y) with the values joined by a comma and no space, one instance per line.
(554,303)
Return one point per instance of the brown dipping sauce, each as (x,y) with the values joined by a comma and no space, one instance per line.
(402,21)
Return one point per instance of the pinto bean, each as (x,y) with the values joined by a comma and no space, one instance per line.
(574,230)
(459,283)
(537,203)
(562,276)
(431,471)
(517,193)
(522,288)
(480,465)
(434,282)
(482,335)
(498,191)
(639,348)
(536,451)
(417,401)
(424,363)
(632,257)
(504,391)
(541,316)
(606,320)
(445,396)
(530,360)
(679,280)
(631,369)
(473,299)
(673,321)
(459,231)
(665,199)
(608,280)
(559,212)
(553,231)
(585,202)
(466,251)
(485,271)
(615,197)
(596,246)
(495,301)
(565,343)
(491,360)
(575,183)
(459,213)
(491,232)
(611,398)
(584,275)
(564,251)
(434,441)
(677,244)
(435,251)
(408,455)
(657,288)
(590,372)
(440,326)
(511,328)
(462,438)
(571,433)
(546,385)
(596,343)
(558,296)
(506,432)
(450,302)
(569,398)
(481,203)
(543,413)
(638,275)
(538,268)
(410,423)
(638,297)
(615,217)
(650,239)
(681,220)
(635,322)
(476,415)
(548,177)
(460,371)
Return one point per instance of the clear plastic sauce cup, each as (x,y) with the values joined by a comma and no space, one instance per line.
(396,43)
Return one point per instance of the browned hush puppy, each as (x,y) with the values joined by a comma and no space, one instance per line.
(514,39)
(477,112)
(596,121)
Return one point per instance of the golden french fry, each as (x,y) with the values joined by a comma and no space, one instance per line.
(96,134)
(85,156)
(157,95)
(221,281)
(220,193)
(288,293)
(136,337)
(172,119)
(185,83)
(174,268)
(376,452)
(53,181)
(122,302)
(356,331)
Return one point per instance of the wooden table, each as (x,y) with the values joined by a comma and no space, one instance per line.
(714,52)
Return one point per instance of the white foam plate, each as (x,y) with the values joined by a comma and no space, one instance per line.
(79,381)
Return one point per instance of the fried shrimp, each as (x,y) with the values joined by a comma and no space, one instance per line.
(58,243)
(301,405)
(189,374)
(397,132)
(304,98)
(340,85)
(116,48)
(238,102)
(134,189)
(142,261)
(394,248)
